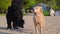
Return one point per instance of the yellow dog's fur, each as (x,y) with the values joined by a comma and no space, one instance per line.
(39,20)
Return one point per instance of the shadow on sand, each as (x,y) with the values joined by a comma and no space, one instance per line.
(2,28)
(20,30)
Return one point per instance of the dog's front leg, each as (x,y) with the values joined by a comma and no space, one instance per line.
(37,28)
(42,23)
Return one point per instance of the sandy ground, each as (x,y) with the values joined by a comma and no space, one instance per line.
(52,26)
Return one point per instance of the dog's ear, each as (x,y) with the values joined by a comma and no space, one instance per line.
(35,9)
(41,10)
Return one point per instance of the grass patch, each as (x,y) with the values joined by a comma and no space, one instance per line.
(2,14)
(46,13)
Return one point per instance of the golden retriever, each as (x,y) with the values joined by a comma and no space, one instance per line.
(39,20)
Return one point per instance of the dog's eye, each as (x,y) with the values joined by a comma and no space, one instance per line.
(36,8)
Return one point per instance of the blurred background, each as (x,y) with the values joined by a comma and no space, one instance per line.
(29,4)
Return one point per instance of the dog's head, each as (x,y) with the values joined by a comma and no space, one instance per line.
(38,10)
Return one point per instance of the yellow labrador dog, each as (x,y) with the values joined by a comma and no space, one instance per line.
(39,20)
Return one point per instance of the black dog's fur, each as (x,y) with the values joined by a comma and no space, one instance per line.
(14,16)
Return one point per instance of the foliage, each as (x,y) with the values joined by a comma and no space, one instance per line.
(4,4)
(55,4)
(58,4)
(29,3)
(51,4)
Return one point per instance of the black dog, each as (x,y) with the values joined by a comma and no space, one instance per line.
(10,16)
(20,21)
(17,4)
(14,16)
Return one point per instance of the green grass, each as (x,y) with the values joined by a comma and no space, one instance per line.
(2,14)
(46,13)
(5,14)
